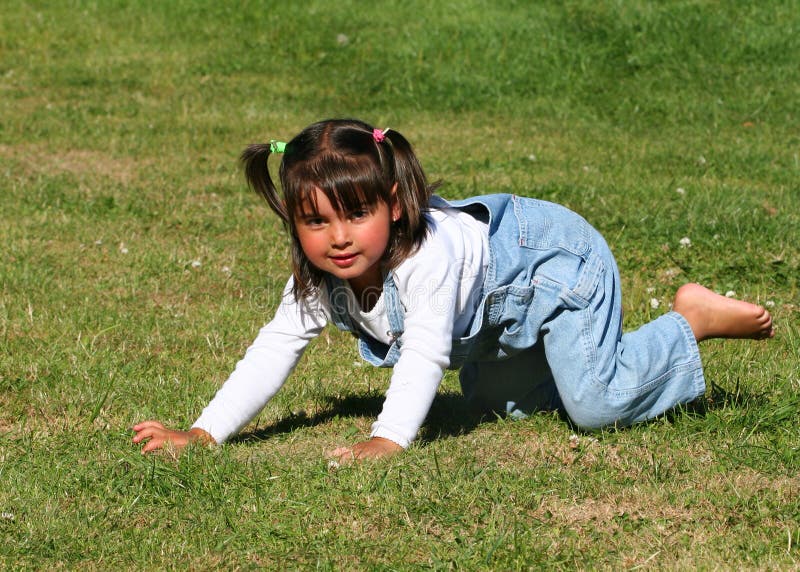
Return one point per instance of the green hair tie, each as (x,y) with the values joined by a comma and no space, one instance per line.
(277,146)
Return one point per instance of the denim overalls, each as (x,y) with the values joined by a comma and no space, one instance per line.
(548,330)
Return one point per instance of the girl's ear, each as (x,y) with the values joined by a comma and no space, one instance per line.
(397,209)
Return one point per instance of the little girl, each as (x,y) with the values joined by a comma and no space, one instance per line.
(522,295)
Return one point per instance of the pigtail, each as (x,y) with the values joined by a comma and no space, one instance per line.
(256,171)
(413,195)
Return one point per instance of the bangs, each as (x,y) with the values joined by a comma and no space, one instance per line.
(349,182)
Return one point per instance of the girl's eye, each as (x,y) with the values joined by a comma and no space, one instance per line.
(314,222)
(359,213)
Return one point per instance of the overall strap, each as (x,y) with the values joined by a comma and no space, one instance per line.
(338,296)
(338,301)
(394,309)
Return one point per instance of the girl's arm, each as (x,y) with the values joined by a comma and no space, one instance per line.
(415,380)
(255,380)
(435,296)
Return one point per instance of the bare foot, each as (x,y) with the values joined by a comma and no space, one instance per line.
(713,316)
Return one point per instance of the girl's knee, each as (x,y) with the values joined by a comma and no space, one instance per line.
(588,422)
(594,416)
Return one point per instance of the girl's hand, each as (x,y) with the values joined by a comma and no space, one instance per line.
(157,436)
(372,449)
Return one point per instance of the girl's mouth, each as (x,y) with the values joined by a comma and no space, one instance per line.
(343,260)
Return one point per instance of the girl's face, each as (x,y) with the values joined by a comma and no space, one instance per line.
(349,245)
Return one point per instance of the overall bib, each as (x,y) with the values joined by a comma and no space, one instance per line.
(548,330)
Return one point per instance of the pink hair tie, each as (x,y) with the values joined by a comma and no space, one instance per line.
(378,135)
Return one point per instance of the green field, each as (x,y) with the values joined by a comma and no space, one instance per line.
(137,267)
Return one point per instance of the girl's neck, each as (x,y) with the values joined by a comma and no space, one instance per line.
(367,289)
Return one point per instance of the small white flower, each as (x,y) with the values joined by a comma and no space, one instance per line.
(701,160)
(654,303)
(650,290)
(730,294)
(333,465)
(357,364)
(122,248)
(342,40)
(98,242)
(531,157)
(685,242)
(769,304)
(226,269)
(196,264)
(586,168)
(7,516)
(680,191)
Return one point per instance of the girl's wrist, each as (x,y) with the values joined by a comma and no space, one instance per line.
(197,435)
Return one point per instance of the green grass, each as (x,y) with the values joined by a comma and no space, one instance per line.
(120,127)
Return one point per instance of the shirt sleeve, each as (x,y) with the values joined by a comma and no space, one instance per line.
(264,368)
(428,291)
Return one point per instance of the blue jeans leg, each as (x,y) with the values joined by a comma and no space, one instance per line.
(607,378)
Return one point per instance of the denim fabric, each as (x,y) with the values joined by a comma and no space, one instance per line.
(548,330)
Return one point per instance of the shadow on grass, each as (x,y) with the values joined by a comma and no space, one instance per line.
(718,397)
(449,416)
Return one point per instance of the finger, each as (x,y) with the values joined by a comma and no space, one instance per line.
(147,433)
(345,455)
(339,452)
(152,445)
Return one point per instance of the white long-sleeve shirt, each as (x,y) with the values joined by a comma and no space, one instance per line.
(439,288)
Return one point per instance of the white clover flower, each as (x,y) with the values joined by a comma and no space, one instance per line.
(730,294)
(342,39)
(531,157)
(685,242)
(769,304)
(98,242)
(196,264)
(122,248)
(701,160)
(650,290)
(654,303)
(680,191)
(226,269)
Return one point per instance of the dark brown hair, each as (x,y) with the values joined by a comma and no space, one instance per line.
(341,158)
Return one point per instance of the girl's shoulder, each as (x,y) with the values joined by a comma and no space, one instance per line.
(449,223)
(454,238)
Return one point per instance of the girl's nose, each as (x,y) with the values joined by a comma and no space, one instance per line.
(339,235)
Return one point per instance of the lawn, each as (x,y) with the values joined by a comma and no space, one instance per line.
(137,267)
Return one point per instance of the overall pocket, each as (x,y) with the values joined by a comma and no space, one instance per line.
(546,226)
(563,262)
